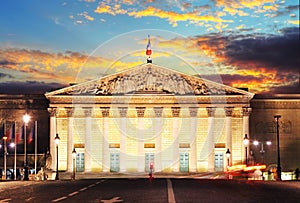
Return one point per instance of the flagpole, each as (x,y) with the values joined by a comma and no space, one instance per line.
(35,146)
(5,151)
(15,161)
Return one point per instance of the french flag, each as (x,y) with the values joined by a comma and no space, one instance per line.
(12,132)
(31,135)
(2,131)
(20,135)
(148,49)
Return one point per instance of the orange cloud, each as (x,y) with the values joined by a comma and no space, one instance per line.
(294,22)
(174,17)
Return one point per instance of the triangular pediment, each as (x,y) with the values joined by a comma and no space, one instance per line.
(149,79)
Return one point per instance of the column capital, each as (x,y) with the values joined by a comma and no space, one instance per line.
(52,111)
(228,111)
(175,111)
(140,111)
(87,111)
(123,111)
(193,111)
(211,111)
(70,111)
(105,111)
(158,111)
(246,111)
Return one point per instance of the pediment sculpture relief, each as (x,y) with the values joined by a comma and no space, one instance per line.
(148,80)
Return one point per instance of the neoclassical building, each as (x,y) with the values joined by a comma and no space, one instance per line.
(148,115)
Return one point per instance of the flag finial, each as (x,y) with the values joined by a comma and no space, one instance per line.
(149,51)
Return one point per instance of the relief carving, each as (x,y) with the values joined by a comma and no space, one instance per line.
(262,127)
(149,79)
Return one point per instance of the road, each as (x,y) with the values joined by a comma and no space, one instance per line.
(141,190)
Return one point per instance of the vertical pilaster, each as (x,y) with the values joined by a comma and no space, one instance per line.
(158,128)
(211,139)
(105,148)
(228,130)
(193,139)
(246,111)
(141,154)
(175,114)
(88,140)
(53,114)
(70,145)
(123,114)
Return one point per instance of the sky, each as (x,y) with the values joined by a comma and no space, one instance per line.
(45,45)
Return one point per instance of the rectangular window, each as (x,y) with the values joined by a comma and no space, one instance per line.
(115,162)
(80,162)
(184,161)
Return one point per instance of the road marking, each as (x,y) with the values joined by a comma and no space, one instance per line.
(83,189)
(73,193)
(112,200)
(171,197)
(5,200)
(92,185)
(59,199)
(76,192)
(29,199)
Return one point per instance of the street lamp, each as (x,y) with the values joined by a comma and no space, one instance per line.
(228,156)
(5,153)
(74,162)
(262,151)
(278,152)
(246,143)
(56,140)
(26,119)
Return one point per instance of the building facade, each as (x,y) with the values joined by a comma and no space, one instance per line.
(263,128)
(12,110)
(149,115)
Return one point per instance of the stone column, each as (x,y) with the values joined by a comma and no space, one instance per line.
(193,139)
(175,114)
(141,154)
(228,131)
(246,111)
(70,144)
(105,146)
(53,114)
(123,153)
(88,140)
(211,138)
(158,128)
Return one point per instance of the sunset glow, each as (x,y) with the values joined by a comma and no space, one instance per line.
(45,45)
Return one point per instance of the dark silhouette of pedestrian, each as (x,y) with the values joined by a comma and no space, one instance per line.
(297,173)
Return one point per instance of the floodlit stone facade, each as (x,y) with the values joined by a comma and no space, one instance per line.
(124,129)
(149,114)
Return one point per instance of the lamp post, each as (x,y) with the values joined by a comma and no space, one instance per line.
(74,163)
(5,153)
(26,119)
(262,150)
(56,140)
(13,145)
(278,152)
(246,143)
(228,156)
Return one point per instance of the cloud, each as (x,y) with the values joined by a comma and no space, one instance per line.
(261,62)
(40,66)
(174,17)
(28,87)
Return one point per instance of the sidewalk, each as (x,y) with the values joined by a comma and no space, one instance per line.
(133,175)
